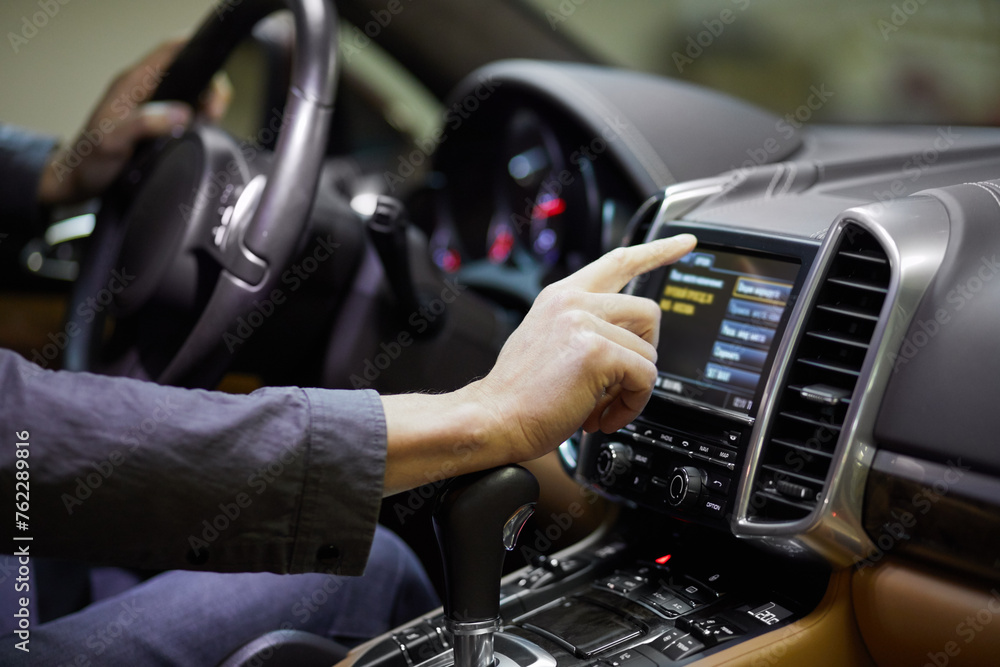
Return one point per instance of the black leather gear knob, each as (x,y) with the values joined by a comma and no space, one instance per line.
(477,519)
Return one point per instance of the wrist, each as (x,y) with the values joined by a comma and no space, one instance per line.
(437,436)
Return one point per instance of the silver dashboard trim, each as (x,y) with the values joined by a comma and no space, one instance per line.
(913,232)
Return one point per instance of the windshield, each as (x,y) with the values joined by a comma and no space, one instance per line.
(907,61)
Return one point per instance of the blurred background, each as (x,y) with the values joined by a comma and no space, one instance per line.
(923,61)
(51,82)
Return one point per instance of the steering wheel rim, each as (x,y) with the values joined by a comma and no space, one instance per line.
(268,209)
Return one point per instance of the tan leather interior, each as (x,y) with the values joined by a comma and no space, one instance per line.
(827,636)
(909,615)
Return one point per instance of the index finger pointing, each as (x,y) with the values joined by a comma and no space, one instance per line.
(614,270)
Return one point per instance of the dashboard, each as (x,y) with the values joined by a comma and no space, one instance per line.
(827,364)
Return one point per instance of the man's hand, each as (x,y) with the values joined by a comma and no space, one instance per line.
(584,355)
(86,167)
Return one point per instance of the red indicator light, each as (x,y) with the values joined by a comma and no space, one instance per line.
(452,261)
(501,247)
(662,560)
(548,208)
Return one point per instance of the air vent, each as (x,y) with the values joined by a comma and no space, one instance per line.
(821,381)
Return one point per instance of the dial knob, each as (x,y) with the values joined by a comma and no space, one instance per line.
(685,487)
(613,462)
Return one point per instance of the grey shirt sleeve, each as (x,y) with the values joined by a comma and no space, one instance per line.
(22,158)
(132,473)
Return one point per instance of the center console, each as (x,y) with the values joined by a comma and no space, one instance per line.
(639,597)
(669,585)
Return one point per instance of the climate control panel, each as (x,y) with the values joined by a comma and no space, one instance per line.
(689,469)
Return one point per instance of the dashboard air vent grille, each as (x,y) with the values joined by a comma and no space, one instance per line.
(821,381)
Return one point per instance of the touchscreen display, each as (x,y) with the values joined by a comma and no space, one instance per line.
(720,316)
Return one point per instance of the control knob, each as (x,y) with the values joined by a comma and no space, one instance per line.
(613,462)
(684,487)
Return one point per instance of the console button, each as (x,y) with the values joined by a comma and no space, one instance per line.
(667,601)
(712,581)
(665,439)
(723,632)
(683,648)
(641,458)
(714,507)
(696,592)
(705,449)
(724,454)
(717,482)
(668,638)
(630,658)
(620,583)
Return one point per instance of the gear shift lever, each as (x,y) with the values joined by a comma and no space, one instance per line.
(477,519)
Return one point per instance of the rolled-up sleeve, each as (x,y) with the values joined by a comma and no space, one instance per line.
(133,473)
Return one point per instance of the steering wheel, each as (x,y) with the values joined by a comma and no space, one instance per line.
(197,229)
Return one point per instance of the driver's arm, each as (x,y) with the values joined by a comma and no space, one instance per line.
(291,480)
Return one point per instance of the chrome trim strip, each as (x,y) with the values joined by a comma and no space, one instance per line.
(913,232)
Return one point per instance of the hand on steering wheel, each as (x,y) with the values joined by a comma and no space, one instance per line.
(121,119)
(202,229)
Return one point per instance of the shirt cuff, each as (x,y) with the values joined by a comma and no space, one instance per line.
(345,476)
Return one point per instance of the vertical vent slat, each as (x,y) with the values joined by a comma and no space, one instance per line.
(815,396)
